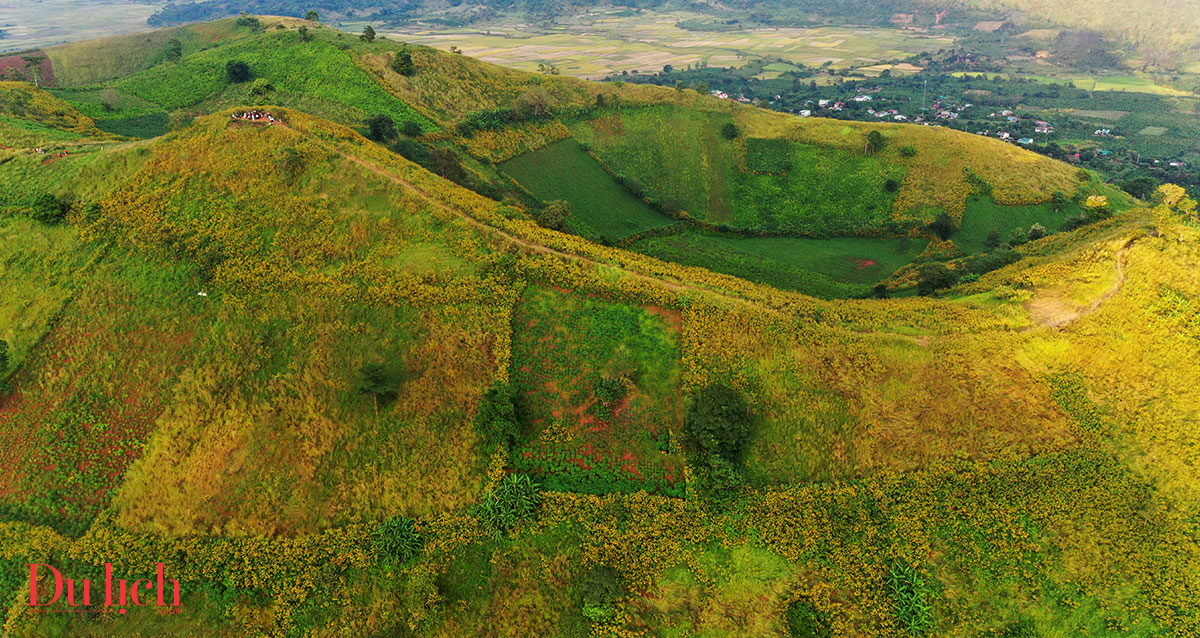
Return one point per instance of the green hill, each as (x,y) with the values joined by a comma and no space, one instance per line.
(339,387)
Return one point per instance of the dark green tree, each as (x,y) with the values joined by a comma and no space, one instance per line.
(992,241)
(380,381)
(1036,232)
(237,72)
(305,36)
(402,63)
(312,16)
(943,227)
(875,142)
(1140,187)
(3,356)
(729,131)
(174,49)
(554,215)
(47,209)
(381,127)
(881,291)
(368,34)
(601,588)
(496,419)
(718,423)
(410,128)
(934,277)
(445,162)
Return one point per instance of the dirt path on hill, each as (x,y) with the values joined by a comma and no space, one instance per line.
(533,246)
(1051,309)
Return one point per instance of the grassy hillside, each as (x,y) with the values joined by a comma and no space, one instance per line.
(32,116)
(245,349)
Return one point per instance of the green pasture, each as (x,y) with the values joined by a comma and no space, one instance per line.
(564,171)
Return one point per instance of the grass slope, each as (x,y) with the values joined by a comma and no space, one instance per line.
(316,69)
(563,171)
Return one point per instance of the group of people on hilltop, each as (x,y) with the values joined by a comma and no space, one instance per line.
(41,151)
(261,117)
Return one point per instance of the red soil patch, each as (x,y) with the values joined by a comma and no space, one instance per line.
(608,127)
(865,263)
(673,317)
(15,68)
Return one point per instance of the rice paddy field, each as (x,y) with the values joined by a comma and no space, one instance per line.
(600,43)
(1131,82)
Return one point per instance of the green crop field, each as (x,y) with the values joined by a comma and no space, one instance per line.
(822,191)
(680,158)
(678,155)
(983,215)
(564,171)
(831,268)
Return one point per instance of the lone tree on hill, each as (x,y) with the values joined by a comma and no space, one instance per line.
(368,34)
(174,49)
(554,215)
(237,71)
(445,163)
(993,240)
(379,381)
(933,277)
(48,209)
(402,63)
(875,142)
(943,226)
(410,128)
(729,131)
(312,16)
(718,423)
(381,127)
